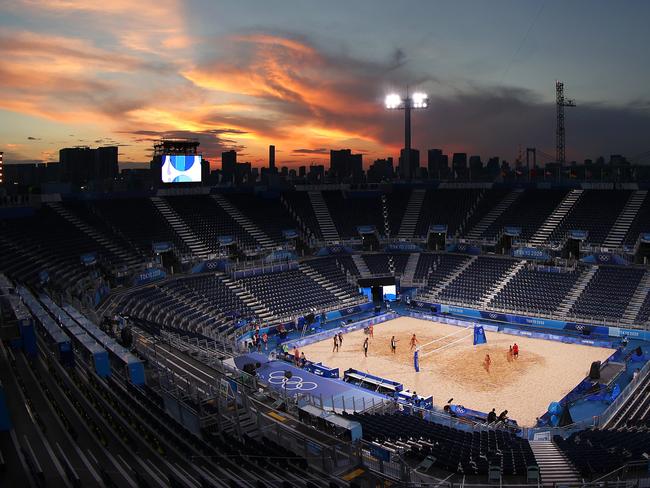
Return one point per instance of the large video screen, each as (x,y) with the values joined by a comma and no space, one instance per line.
(181,169)
(390,292)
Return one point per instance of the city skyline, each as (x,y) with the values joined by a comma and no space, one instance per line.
(309,79)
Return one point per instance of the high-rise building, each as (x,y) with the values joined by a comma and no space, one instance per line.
(437,164)
(380,170)
(345,166)
(82,164)
(1,167)
(459,164)
(414,164)
(302,171)
(228,166)
(272,158)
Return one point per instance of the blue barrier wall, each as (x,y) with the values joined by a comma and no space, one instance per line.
(539,322)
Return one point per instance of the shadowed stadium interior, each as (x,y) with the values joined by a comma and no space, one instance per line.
(217,338)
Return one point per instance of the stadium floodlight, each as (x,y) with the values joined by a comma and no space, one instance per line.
(420,100)
(393,101)
(417,100)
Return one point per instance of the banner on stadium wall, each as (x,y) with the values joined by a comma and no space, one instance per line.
(512,231)
(161,247)
(464,248)
(366,229)
(334,250)
(89,259)
(403,247)
(530,253)
(148,276)
(290,234)
(211,265)
(605,258)
(225,240)
(281,255)
(577,234)
(438,228)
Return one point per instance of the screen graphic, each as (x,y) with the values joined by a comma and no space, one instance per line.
(181,169)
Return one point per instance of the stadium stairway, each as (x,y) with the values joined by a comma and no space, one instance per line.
(250,300)
(411,215)
(408,277)
(439,288)
(330,286)
(494,214)
(190,239)
(248,225)
(624,221)
(323,216)
(127,257)
(556,218)
(501,284)
(554,467)
(364,270)
(572,297)
(636,302)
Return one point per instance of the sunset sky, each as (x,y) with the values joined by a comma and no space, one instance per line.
(308,76)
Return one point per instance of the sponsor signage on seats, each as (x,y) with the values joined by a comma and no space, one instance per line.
(148,276)
(530,253)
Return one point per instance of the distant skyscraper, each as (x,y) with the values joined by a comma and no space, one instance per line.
(345,165)
(1,167)
(380,170)
(83,164)
(437,163)
(414,164)
(302,171)
(228,166)
(459,164)
(272,158)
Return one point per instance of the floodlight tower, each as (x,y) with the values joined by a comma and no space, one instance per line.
(560,102)
(417,100)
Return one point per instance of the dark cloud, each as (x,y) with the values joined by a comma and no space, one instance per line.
(32,138)
(320,150)
(211,144)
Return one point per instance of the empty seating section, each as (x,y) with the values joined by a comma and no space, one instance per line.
(300,204)
(595,212)
(194,304)
(334,271)
(288,293)
(536,292)
(378,263)
(448,207)
(88,214)
(476,280)
(265,212)
(209,221)
(598,452)
(529,211)
(139,221)
(46,242)
(350,210)
(455,451)
(644,312)
(434,268)
(487,200)
(397,202)
(640,225)
(608,293)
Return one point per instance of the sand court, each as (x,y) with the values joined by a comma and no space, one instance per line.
(452,367)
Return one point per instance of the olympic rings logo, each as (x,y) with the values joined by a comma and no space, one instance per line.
(294,383)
